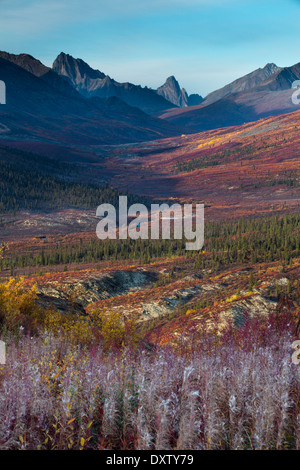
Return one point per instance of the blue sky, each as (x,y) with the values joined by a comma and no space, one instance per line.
(204,43)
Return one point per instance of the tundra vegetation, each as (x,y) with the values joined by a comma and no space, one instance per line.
(92,384)
(246,241)
(98,380)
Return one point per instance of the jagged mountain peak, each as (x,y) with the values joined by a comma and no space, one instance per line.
(172,80)
(281,79)
(42,108)
(93,83)
(172,92)
(271,67)
(76,70)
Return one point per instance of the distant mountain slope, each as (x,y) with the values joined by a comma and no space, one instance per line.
(90,83)
(233,110)
(38,110)
(34,66)
(27,62)
(251,80)
(172,92)
(270,96)
(281,80)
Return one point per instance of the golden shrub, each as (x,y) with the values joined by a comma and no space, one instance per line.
(18,307)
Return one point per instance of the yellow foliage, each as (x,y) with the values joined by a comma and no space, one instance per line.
(113,327)
(19,310)
(232,298)
(77,329)
(110,324)
(188,312)
(18,306)
(13,296)
(210,142)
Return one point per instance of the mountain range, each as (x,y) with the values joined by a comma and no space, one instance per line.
(262,93)
(74,104)
(93,83)
(42,105)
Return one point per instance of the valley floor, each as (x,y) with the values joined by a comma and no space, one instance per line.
(136,345)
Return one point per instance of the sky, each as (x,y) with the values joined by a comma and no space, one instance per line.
(205,44)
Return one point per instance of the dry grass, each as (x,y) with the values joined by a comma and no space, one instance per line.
(236,393)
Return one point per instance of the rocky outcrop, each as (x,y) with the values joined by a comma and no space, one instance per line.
(71,293)
(249,307)
(172,92)
(168,304)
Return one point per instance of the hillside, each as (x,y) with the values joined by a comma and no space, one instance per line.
(237,170)
(262,93)
(247,82)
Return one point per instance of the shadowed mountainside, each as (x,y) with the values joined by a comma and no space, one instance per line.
(262,93)
(91,83)
(251,80)
(48,109)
